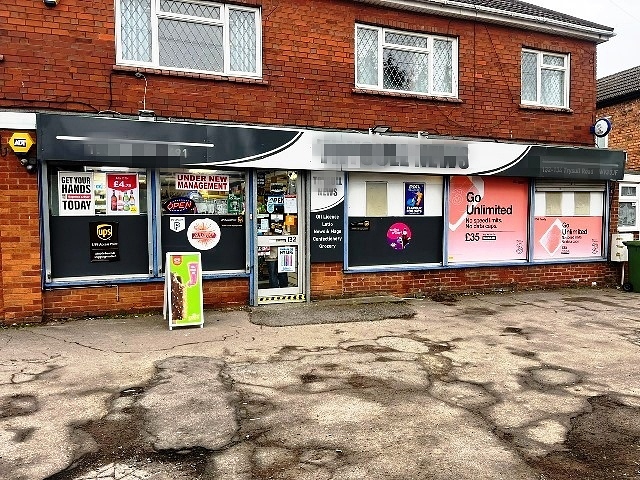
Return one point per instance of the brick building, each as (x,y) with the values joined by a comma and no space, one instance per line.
(618,99)
(250,132)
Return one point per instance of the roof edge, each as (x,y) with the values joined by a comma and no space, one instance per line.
(451,8)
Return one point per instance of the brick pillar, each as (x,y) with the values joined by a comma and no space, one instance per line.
(21,294)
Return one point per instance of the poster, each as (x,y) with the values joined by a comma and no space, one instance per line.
(290,204)
(190,181)
(414,198)
(327,216)
(183,299)
(286,259)
(123,196)
(75,194)
(567,237)
(203,234)
(399,236)
(487,219)
(104,243)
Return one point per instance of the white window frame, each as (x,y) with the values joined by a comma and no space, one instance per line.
(223,22)
(540,66)
(429,50)
(629,199)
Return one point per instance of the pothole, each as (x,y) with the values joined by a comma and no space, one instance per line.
(601,445)
(122,452)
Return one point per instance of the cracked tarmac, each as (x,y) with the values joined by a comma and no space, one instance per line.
(533,385)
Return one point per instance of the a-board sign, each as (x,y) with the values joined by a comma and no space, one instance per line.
(183,301)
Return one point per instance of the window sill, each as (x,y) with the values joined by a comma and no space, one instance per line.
(202,76)
(545,109)
(417,96)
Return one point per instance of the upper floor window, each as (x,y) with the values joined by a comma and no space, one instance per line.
(188,35)
(406,62)
(545,79)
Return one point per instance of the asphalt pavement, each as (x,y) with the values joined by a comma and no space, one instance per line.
(533,385)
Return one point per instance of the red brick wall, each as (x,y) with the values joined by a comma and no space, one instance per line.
(64,57)
(19,239)
(328,280)
(135,298)
(625,131)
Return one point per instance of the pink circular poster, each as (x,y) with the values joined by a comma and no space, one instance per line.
(399,236)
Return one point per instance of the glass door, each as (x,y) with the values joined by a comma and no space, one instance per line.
(280,273)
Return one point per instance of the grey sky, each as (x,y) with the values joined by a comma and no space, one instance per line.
(623,50)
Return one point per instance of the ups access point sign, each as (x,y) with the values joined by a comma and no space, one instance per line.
(20,142)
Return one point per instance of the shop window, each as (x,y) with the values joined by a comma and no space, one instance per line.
(488,219)
(628,207)
(545,79)
(399,61)
(196,36)
(394,222)
(568,221)
(98,223)
(204,210)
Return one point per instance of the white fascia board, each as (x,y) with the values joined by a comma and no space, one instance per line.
(449,8)
(18,120)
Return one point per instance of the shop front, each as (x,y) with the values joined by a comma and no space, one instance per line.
(273,205)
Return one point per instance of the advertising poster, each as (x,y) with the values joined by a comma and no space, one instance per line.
(399,236)
(203,234)
(105,246)
(183,300)
(414,198)
(286,259)
(487,219)
(190,181)
(123,197)
(567,237)
(327,216)
(75,194)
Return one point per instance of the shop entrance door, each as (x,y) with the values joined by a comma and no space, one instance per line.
(280,248)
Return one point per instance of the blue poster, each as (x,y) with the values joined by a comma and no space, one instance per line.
(414,198)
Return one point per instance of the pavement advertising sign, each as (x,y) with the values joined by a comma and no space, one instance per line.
(183,301)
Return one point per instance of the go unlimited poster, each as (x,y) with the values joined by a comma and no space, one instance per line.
(487,219)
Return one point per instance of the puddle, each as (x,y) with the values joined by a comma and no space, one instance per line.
(478,311)
(591,300)
(514,330)
(132,392)
(18,405)
(601,445)
(369,349)
(310,378)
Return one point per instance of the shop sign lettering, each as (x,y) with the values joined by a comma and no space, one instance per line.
(189,181)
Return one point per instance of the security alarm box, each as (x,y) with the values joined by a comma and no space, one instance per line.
(619,252)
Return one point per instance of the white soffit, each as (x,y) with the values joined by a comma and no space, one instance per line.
(18,120)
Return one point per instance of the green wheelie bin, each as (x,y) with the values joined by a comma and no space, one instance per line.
(633,249)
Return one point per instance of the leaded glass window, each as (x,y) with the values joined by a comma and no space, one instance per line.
(190,35)
(544,79)
(405,62)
